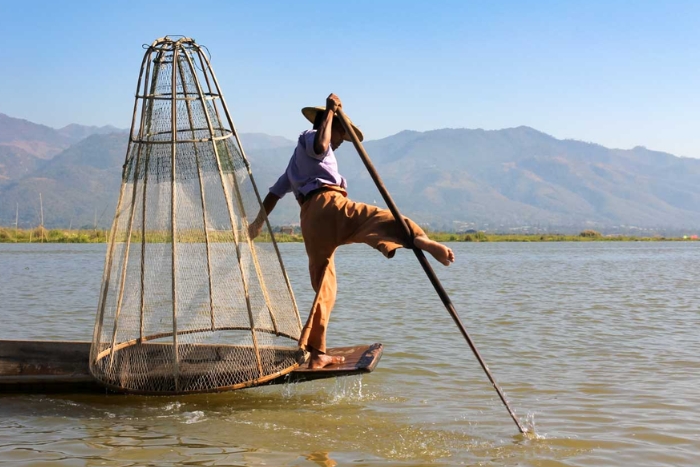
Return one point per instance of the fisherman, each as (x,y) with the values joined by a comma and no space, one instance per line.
(329,219)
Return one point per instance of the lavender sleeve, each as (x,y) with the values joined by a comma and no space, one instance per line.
(282,186)
(307,140)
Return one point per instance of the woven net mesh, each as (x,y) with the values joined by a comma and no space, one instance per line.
(189,303)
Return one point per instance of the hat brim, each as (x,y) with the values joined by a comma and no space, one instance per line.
(311,112)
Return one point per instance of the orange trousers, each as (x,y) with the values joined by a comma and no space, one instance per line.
(329,219)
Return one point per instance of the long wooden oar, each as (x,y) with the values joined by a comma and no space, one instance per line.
(422,259)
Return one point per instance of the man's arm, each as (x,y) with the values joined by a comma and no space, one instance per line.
(323,135)
(268,205)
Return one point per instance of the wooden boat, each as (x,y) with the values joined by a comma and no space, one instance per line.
(62,366)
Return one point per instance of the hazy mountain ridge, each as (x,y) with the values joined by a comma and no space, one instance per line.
(77,132)
(522,176)
(43,141)
(77,184)
(448,178)
(81,184)
(16,163)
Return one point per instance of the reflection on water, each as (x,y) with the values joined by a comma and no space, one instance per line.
(595,346)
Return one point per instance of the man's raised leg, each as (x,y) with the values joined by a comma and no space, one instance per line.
(438,251)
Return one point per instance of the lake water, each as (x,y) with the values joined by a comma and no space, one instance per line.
(596,345)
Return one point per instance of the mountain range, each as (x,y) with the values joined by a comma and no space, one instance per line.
(448,179)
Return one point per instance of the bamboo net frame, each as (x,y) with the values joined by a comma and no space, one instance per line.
(189,303)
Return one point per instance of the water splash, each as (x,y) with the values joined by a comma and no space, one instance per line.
(194,417)
(289,390)
(531,432)
(347,390)
(172,406)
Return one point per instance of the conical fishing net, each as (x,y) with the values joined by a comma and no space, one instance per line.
(189,303)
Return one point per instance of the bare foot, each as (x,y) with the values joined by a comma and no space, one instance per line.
(439,251)
(320,360)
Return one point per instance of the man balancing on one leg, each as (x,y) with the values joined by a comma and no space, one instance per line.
(329,219)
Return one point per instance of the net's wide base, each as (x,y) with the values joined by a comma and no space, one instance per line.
(59,366)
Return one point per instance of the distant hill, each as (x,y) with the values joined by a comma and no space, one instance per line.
(42,141)
(38,140)
(78,184)
(447,179)
(77,132)
(16,163)
(81,184)
(523,177)
(517,177)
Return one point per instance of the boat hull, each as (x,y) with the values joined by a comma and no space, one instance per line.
(63,366)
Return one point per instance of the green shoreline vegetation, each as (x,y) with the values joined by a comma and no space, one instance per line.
(39,235)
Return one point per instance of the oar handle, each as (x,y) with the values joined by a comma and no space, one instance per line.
(422,259)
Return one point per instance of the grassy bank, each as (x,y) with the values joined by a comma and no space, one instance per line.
(38,235)
(582,237)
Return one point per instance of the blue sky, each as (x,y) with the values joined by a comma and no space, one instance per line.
(617,73)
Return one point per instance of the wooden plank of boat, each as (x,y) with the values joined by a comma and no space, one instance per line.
(60,366)
(358,359)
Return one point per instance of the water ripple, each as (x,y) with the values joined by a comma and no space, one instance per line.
(595,346)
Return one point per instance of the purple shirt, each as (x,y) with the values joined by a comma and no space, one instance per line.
(307,170)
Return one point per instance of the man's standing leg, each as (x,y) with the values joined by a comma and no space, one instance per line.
(323,281)
(319,228)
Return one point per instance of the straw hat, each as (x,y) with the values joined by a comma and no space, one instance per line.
(310,114)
